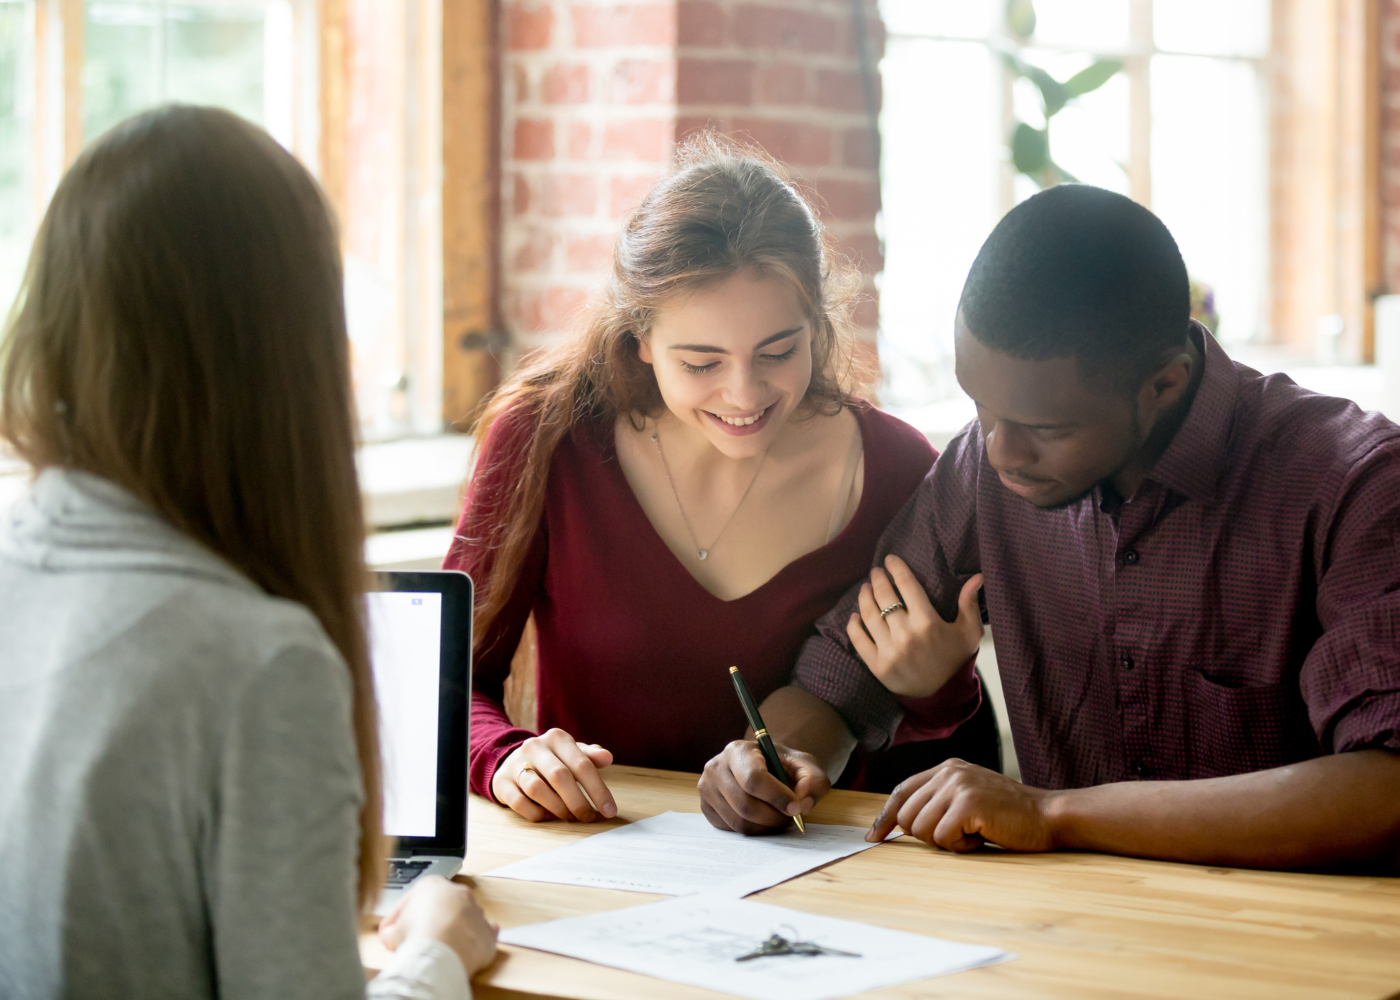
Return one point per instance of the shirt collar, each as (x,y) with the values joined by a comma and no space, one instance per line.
(1195,459)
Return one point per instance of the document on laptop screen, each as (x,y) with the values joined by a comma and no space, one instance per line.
(405,648)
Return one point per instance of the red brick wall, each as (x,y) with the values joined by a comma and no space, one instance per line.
(596,95)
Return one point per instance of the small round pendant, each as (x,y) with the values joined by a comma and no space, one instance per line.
(702,555)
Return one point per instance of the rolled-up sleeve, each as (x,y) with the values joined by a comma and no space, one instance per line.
(1350,679)
(936,535)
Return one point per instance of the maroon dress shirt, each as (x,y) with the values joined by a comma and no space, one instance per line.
(632,652)
(1240,612)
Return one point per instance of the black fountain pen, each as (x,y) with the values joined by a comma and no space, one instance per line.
(760,732)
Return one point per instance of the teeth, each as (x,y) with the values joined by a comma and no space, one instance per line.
(741,421)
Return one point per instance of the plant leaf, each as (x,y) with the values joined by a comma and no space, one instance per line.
(1030,149)
(1092,77)
(1052,92)
(1020,18)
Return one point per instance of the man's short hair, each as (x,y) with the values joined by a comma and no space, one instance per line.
(1077,271)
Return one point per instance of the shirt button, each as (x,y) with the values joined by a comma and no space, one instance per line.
(1131,557)
(1127,663)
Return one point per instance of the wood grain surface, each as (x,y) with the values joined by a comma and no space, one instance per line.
(1083,925)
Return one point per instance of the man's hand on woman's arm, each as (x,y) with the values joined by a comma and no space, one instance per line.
(541,779)
(737,792)
(1339,810)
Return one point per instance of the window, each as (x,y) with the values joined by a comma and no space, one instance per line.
(353,87)
(1192,87)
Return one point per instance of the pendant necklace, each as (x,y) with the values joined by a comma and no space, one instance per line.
(702,553)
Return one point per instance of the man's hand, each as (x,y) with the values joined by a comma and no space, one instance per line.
(737,792)
(959,806)
(912,650)
(541,779)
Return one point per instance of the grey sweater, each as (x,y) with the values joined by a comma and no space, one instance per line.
(179,786)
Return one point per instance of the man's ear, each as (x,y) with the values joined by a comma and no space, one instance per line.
(644,349)
(1165,387)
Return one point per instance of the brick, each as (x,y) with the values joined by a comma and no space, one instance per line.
(782,83)
(551,309)
(842,199)
(568,195)
(699,22)
(520,81)
(866,314)
(841,91)
(529,27)
(693,124)
(864,252)
(860,148)
(534,253)
(714,81)
(589,254)
(580,141)
(758,27)
(625,24)
(534,139)
(565,83)
(649,139)
(626,193)
(847,40)
(520,195)
(791,142)
(643,81)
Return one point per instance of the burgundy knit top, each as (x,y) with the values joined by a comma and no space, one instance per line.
(633,653)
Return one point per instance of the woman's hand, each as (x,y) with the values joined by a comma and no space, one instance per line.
(444,911)
(540,779)
(912,650)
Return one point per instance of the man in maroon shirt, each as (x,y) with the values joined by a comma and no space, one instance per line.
(1191,569)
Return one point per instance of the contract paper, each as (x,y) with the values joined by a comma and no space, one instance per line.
(677,854)
(698,940)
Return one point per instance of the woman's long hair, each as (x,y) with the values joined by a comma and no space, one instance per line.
(724,209)
(181,332)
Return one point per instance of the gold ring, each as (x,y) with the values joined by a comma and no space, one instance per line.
(896,606)
(527,766)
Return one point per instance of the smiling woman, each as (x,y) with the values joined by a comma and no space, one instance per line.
(685,485)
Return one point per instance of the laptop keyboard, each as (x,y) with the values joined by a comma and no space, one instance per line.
(403,872)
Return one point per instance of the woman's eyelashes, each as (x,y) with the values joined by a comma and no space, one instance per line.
(699,369)
(770,358)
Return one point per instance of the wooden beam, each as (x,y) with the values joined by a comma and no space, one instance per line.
(470,207)
(72,18)
(1372,264)
(334,101)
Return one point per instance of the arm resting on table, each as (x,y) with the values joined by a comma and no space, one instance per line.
(1342,809)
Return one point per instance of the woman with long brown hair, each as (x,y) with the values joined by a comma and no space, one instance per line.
(685,485)
(189,769)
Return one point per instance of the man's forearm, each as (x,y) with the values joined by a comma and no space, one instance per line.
(1332,811)
(798,719)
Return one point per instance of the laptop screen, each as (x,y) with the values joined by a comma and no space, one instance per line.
(405,650)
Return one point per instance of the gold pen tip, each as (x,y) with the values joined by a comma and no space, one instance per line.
(801,826)
(733,670)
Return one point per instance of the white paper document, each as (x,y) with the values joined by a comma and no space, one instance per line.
(676,854)
(699,940)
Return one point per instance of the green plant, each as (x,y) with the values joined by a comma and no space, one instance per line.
(1030,146)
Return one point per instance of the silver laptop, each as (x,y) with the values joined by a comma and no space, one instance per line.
(420,628)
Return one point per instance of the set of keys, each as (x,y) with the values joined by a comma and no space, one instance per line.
(778,945)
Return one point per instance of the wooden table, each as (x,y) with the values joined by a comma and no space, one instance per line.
(1084,925)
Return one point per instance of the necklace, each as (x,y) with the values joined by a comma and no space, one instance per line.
(702,553)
